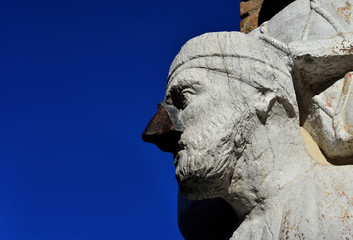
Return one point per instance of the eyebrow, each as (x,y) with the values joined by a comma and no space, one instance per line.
(184,83)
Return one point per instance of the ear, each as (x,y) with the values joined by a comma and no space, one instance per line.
(263,107)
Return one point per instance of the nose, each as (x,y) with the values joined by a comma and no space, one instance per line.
(164,129)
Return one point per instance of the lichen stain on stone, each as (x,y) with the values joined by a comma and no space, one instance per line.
(345,12)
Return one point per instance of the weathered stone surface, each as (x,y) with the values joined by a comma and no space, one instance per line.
(304,20)
(330,121)
(317,205)
(240,100)
(321,61)
(318,48)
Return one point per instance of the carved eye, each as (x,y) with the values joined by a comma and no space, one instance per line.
(181,97)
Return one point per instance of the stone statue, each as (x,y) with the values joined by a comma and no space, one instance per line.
(232,119)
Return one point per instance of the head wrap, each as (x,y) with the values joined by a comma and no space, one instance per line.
(225,52)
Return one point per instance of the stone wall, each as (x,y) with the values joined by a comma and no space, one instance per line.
(249,14)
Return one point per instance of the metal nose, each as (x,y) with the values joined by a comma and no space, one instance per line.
(164,129)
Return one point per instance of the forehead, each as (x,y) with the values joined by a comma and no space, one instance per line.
(198,77)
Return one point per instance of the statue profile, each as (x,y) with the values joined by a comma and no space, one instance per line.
(231,116)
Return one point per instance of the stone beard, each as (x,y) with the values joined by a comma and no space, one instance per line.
(209,147)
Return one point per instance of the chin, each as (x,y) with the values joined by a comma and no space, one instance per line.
(198,182)
(199,189)
(204,166)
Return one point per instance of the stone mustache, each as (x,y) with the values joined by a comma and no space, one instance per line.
(231,116)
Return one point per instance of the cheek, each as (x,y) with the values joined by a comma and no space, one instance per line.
(201,107)
(206,126)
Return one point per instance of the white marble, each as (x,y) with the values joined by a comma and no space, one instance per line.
(242,142)
(314,37)
(241,100)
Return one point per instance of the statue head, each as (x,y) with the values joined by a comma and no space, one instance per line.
(223,91)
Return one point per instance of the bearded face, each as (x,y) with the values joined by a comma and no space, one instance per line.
(211,141)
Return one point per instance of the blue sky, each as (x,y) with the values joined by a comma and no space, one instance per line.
(79,82)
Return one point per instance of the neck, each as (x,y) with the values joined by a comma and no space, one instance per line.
(275,156)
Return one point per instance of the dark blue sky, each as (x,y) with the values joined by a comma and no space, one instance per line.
(79,82)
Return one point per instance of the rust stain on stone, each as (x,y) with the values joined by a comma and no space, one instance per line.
(344,47)
(290,227)
(345,12)
(328,102)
